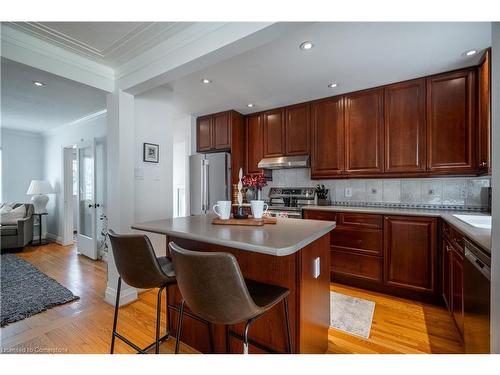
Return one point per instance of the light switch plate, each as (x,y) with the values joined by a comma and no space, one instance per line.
(348,192)
(316,267)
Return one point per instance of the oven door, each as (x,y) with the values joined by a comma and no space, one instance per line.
(285,214)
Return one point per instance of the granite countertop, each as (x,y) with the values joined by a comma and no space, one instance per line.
(481,237)
(285,237)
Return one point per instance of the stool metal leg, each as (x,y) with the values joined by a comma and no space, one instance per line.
(245,336)
(167,325)
(115,318)
(179,327)
(158,321)
(287,322)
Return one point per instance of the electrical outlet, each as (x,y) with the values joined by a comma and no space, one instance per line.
(348,192)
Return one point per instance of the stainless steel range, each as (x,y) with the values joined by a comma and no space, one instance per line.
(288,202)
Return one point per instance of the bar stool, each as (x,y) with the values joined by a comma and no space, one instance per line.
(213,287)
(139,267)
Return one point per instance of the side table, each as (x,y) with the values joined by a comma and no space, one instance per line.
(40,231)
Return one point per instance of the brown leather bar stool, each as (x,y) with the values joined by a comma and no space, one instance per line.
(139,267)
(213,287)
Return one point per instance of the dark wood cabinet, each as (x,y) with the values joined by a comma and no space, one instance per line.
(297,129)
(327,146)
(274,133)
(364,132)
(204,134)
(451,130)
(410,253)
(254,143)
(445,271)
(484,113)
(221,131)
(457,287)
(405,127)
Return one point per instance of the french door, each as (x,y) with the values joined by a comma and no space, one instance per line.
(87,221)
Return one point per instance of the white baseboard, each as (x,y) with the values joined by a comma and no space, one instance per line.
(55,238)
(126,296)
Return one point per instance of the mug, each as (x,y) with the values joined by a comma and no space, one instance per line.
(258,208)
(224,212)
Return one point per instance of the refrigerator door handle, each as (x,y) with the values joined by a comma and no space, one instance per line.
(207,184)
(204,186)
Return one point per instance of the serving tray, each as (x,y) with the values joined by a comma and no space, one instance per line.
(248,222)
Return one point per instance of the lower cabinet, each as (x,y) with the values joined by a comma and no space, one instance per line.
(457,287)
(446,250)
(410,253)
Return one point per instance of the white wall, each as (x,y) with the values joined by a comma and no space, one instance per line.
(157,121)
(22,161)
(55,140)
(495,246)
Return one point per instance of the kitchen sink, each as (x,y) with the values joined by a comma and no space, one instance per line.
(477,221)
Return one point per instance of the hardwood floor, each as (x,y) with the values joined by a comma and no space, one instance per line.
(84,326)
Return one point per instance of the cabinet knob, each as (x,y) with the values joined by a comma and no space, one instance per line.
(483,164)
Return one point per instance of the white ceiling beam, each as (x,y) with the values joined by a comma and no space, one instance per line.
(196,48)
(34,52)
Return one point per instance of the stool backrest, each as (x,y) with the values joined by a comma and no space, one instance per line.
(212,285)
(136,261)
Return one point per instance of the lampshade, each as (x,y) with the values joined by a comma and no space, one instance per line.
(39,187)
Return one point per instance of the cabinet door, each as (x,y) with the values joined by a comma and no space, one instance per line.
(221,131)
(204,133)
(484,115)
(457,288)
(404,127)
(274,133)
(445,271)
(297,129)
(254,138)
(327,146)
(410,253)
(451,134)
(364,132)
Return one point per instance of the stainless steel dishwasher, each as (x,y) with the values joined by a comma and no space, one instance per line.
(477,276)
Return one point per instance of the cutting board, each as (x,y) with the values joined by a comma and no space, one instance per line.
(247,222)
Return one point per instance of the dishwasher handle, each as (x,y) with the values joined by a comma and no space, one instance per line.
(478,264)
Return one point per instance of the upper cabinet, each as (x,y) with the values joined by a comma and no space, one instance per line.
(297,129)
(484,113)
(224,131)
(364,128)
(204,132)
(254,142)
(404,127)
(327,146)
(451,123)
(274,133)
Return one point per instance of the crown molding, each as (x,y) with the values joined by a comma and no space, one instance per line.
(29,50)
(84,119)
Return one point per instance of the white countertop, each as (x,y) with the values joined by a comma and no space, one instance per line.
(285,237)
(481,237)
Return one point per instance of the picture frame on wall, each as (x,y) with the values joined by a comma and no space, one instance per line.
(151,153)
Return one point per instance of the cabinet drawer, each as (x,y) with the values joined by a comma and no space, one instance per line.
(320,215)
(368,241)
(361,220)
(355,265)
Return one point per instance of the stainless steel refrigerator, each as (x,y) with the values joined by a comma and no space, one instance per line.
(210,181)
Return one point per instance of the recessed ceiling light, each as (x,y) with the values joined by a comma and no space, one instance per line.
(206,81)
(471,52)
(333,85)
(38,83)
(306,46)
(250,105)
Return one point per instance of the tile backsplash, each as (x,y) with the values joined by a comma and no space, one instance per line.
(446,192)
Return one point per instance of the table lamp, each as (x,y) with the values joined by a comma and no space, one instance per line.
(38,189)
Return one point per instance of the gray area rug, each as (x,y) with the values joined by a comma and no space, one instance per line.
(26,291)
(350,314)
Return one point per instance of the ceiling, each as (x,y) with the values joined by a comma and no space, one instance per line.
(37,109)
(354,55)
(109,43)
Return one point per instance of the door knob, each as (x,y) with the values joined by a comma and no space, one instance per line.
(90,205)
(97,205)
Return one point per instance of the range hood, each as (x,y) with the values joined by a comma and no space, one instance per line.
(285,162)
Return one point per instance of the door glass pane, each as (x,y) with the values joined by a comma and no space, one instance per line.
(86,179)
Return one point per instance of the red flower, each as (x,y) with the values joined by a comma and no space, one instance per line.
(254,182)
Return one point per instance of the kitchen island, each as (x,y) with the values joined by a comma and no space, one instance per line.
(282,254)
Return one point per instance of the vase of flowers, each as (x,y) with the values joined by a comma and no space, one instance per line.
(254,185)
